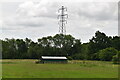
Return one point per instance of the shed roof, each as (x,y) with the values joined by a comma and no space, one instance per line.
(52,57)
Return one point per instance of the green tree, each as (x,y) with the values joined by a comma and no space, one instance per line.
(21,48)
(98,42)
(5,49)
(116,42)
(11,50)
(85,51)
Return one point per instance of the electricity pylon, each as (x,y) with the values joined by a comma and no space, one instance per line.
(62,16)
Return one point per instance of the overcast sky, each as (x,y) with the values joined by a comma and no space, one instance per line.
(39,19)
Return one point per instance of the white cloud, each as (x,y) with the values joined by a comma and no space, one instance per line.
(38,19)
(32,9)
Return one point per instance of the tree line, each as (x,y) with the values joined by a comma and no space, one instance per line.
(100,47)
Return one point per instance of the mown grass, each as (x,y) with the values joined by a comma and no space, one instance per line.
(74,69)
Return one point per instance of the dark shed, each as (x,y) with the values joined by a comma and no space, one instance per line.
(53,59)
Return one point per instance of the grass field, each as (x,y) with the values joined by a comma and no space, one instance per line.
(74,69)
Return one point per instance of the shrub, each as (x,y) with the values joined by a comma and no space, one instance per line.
(70,58)
(107,54)
(116,58)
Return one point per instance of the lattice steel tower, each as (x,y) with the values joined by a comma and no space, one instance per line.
(62,16)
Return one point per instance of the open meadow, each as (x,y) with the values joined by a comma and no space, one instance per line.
(22,68)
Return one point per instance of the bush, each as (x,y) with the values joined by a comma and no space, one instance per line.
(107,54)
(116,59)
(37,62)
(70,58)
